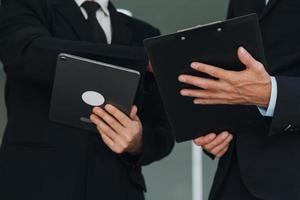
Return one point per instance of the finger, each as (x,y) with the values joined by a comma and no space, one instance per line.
(222,146)
(95,119)
(205,139)
(103,128)
(217,141)
(222,153)
(246,58)
(115,147)
(213,71)
(203,94)
(199,101)
(203,83)
(111,121)
(119,115)
(109,142)
(133,113)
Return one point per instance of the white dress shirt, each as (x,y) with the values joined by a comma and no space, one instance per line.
(103,17)
(269,112)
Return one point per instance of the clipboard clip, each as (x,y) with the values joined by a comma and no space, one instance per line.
(199,26)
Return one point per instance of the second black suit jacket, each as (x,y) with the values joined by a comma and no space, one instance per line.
(268,149)
(45,160)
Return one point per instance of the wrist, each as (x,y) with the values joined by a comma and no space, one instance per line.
(137,148)
(266,93)
(136,151)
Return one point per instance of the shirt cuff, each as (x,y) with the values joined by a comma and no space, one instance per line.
(269,112)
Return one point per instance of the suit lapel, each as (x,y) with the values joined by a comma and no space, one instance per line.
(73,14)
(121,34)
(268,8)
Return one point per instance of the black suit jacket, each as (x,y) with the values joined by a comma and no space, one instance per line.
(268,149)
(45,160)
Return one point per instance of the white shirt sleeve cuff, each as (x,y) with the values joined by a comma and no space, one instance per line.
(269,112)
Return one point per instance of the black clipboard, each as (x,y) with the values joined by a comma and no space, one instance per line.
(215,44)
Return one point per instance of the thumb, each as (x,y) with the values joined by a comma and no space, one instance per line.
(246,58)
(133,113)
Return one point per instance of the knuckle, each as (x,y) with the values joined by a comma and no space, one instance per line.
(213,73)
(112,122)
(207,148)
(96,110)
(99,130)
(204,85)
(214,152)
(122,118)
(101,127)
(113,109)
(136,129)
(108,119)
(125,146)
(129,137)
(200,143)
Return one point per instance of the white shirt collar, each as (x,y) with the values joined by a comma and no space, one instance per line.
(102,3)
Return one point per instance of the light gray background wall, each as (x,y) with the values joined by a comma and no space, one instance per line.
(171,178)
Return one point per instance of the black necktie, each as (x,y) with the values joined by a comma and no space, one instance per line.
(91,9)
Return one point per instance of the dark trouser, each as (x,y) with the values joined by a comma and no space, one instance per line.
(233,187)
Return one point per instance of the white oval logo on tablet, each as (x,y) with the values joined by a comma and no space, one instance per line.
(93,98)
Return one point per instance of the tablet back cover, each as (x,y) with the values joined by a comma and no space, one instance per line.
(81,84)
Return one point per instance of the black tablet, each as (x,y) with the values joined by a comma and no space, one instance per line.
(81,84)
(215,44)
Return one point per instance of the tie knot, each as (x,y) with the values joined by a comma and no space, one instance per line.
(91,7)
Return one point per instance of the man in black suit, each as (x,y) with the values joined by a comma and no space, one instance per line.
(41,159)
(262,160)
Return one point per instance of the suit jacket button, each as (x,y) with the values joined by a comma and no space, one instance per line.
(288,128)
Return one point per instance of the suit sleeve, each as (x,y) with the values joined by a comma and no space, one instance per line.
(158,140)
(28,49)
(287,111)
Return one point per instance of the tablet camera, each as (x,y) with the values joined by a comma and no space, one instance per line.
(63,58)
(219,29)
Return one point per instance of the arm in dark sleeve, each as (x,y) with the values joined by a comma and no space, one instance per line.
(158,140)
(287,111)
(28,49)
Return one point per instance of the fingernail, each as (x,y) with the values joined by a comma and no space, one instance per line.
(242,50)
(107,107)
(182,92)
(181,78)
(194,65)
(225,135)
